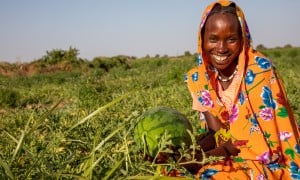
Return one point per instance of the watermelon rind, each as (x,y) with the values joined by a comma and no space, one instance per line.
(155,122)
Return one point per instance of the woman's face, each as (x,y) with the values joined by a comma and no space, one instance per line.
(222,41)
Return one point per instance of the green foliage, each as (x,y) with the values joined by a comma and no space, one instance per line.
(56,56)
(109,63)
(8,97)
(79,125)
(261,47)
(293,53)
(187,53)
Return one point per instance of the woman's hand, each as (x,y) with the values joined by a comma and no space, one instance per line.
(213,123)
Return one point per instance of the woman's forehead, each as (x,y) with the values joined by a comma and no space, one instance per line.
(227,19)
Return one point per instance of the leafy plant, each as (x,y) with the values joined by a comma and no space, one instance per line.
(9,97)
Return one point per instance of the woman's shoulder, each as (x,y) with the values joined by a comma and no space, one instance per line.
(255,56)
(192,75)
(260,60)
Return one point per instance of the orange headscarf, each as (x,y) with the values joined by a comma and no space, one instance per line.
(256,107)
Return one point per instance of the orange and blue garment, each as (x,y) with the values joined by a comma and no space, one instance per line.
(256,107)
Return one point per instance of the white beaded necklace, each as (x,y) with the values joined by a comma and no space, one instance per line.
(227,78)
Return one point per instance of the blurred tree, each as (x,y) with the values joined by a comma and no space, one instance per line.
(288,46)
(187,53)
(58,55)
(261,47)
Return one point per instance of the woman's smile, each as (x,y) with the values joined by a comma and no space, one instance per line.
(220,59)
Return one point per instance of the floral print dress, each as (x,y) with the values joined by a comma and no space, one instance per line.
(255,106)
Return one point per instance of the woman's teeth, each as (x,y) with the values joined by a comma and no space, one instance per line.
(220,58)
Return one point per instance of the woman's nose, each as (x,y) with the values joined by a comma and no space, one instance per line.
(221,47)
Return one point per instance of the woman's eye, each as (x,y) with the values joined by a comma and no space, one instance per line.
(231,40)
(212,40)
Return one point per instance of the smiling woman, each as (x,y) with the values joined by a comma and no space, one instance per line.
(242,101)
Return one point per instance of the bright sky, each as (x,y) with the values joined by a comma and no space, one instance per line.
(129,27)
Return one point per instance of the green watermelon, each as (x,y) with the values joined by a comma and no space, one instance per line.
(155,122)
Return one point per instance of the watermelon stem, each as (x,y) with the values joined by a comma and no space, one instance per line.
(162,145)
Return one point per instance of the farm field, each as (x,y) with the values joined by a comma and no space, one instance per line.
(74,119)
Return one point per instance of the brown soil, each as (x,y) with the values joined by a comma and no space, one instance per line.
(30,69)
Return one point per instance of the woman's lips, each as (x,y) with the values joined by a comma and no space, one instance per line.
(219,59)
